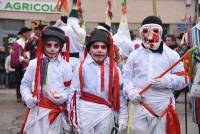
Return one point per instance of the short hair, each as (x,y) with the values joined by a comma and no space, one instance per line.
(171,36)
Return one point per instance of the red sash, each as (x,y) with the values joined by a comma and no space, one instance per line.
(93,98)
(113,95)
(172,121)
(173,124)
(55,109)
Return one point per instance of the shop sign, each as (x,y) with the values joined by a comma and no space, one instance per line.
(30,6)
(182,27)
(11,38)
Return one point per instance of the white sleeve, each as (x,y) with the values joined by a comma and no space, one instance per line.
(75,84)
(77,30)
(7,64)
(123,41)
(176,82)
(67,74)
(27,80)
(128,75)
(123,113)
(123,103)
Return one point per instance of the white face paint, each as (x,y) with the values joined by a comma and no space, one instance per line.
(52,48)
(151,35)
(98,51)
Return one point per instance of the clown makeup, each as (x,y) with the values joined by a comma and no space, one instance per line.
(151,35)
(98,52)
(52,48)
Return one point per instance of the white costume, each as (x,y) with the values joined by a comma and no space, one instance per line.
(123,40)
(76,36)
(94,118)
(58,78)
(142,66)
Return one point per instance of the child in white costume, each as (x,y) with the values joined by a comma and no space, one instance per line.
(44,87)
(99,99)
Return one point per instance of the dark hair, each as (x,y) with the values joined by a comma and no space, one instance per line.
(24,30)
(171,36)
(152,20)
(64,19)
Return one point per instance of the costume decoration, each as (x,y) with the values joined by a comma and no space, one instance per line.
(62,4)
(124,9)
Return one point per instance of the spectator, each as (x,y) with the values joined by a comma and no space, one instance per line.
(24,34)
(170,41)
(2,67)
(31,45)
(10,72)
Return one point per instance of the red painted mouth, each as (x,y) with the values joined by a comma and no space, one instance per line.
(99,55)
(151,45)
(51,53)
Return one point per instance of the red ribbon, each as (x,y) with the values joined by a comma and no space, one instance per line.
(93,98)
(116,94)
(110,14)
(124,10)
(113,94)
(172,124)
(73,112)
(55,109)
(111,55)
(37,80)
(102,77)
(67,49)
(60,4)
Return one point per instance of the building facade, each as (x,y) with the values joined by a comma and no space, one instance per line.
(176,14)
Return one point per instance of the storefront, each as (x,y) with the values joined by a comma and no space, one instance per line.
(14,14)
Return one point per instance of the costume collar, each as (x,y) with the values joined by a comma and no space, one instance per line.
(56,59)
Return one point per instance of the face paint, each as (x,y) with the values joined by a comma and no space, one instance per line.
(52,48)
(151,35)
(98,51)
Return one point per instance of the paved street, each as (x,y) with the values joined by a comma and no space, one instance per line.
(12,113)
(180,108)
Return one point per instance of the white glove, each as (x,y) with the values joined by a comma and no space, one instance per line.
(160,83)
(123,124)
(134,96)
(57,98)
(30,101)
